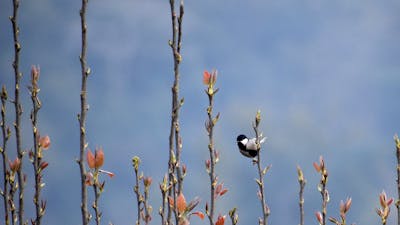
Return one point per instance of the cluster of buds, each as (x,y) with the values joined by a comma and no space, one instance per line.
(343,208)
(145,211)
(219,190)
(164,185)
(184,210)
(320,168)
(35,74)
(210,79)
(208,161)
(147,182)
(136,163)
(95,162)
(14,167)
(43,144)
(300,176)
(385,203)
(257,120)
(259,138)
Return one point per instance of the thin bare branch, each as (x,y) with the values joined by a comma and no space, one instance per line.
(175,140)
(85,71)
(397,142)
(36,155)
(209,80)
(261,173)
(302,183)
(5,135)
(320,167)
(18,109)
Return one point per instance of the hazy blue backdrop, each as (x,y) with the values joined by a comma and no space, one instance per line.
(325,75)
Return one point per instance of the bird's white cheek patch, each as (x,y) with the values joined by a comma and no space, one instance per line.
(244,141)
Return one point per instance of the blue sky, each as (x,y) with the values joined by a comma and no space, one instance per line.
(325,76)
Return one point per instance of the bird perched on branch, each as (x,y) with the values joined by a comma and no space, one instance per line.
(248,147)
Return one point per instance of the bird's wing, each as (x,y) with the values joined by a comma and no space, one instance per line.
(251,144)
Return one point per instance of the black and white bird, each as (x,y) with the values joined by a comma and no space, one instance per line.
(248,147)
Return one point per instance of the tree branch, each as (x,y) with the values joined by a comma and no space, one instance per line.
(175,140)
(261,173)
(6,135)
(18,109)
(36,155)
(85,71)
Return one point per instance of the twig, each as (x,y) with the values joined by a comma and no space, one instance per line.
(6,135)
(147,208)
(302,183)
(97,189)
(145,211)
(95,162)
(209,79)
(321,169)
(135,164)
(18,109)
(164,187)
(261,173)
(397,142)
(175,140)
(85,70)
(14,166)
(36,155)
(343,209)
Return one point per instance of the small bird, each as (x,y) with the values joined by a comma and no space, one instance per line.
(248,147)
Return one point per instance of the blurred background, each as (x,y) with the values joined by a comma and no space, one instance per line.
(325,75)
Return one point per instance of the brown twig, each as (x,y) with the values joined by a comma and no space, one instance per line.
(95,162)
(18,109)
(302,183)
(175,140)
(209,79)
(85,71)
(147,208)
(97,190)
(14,166)
(145,211)
(6,135)
(261,173)
(164,188)
(321,169)
(397,142)
(139,198)
(36,155)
